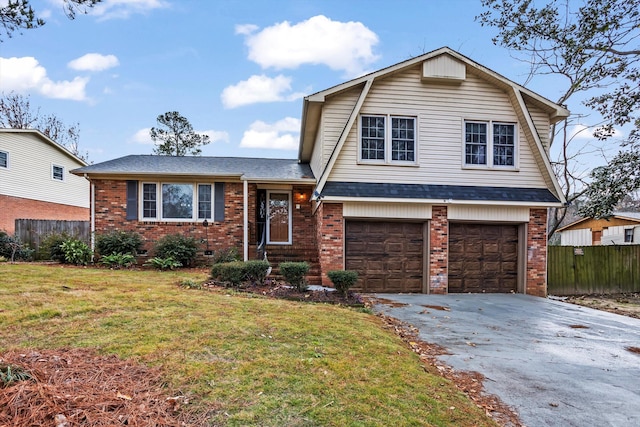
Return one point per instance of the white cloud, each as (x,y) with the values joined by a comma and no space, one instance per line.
(258,89)
(94,62)
(26,74)
(346,46)
(143,136)
(123,9)
(215,135)
(281,135)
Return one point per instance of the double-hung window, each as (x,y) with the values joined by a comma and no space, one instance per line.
(176,201)
(387,139)
(490,144)
(57,172)
(628,235)
(4,160)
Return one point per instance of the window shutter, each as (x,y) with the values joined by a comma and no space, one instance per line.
(218,202)
(132,199)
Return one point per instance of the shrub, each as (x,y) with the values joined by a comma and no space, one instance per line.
(256,271)
(76,252)
(118,260)
(163,264)
(181,248)
(118,242)
(233,272)
(11,247)
(51,246)
(343,280)
(225,255)
(294,273)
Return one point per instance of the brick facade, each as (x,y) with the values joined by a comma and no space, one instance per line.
(536,280)
(330,232)
(19,208)
(438,250)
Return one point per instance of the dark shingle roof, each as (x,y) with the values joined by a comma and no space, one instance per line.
(251,168)
(438,192)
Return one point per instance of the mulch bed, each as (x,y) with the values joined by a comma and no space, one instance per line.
(78,387)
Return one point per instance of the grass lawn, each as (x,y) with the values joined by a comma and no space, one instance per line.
(246,359)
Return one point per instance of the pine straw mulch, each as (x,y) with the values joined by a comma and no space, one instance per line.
(78,387)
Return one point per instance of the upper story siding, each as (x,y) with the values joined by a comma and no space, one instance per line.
(29,172)
(441,110)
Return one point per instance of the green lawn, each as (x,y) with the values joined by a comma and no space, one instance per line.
(260,361)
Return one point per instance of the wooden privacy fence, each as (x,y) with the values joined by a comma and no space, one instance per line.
(33,231)
(593,269)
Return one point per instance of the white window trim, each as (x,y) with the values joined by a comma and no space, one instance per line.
(290,242)
(490,164)
(387,141)
(64,175)
(194,204)
(624,236)
(8,160)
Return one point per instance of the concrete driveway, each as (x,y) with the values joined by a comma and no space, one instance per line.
(555,363)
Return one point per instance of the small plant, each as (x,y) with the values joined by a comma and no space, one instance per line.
(3,259)
(225,255)
(163,264)
(181,248)
(118,242)
(76,252)
(118,260)
(10,374)
(256,271)
(294,273)
(11,247)
(233,273)
(343,280)
(190,284)
(51,247)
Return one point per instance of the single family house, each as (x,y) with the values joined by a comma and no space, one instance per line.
(621,228)
(431,175)
(35,182)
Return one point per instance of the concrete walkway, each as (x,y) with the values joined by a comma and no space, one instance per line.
(555,363)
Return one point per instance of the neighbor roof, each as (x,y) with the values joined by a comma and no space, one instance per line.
(629,216)
(250,168)
(451,193)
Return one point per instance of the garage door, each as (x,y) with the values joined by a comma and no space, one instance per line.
(386,255)
(483,258)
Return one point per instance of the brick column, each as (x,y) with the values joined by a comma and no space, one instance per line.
(330,238)
(537,253)
(438,250)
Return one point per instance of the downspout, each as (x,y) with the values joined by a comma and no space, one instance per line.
(245,220)
(92,216)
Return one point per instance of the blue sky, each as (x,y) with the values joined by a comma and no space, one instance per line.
(237,70)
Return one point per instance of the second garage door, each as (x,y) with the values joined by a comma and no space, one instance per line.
(388,256)
(483,258)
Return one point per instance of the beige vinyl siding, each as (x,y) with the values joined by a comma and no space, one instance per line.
(580,237)
(386,210)
(335,114)
(440,111)
(29,174)
(541,122)
(488,213)
(317,162)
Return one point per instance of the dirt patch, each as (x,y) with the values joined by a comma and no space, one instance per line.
(72,387)
(634,349)
(438,307)
(626,304)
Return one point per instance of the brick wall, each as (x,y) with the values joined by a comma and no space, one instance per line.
(438,250)
(330,235)
(13,208)
(536,281)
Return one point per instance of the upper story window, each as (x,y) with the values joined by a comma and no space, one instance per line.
(388,139)
(490,144)
(4,159)
(628,235)
(57,172)
(176,201)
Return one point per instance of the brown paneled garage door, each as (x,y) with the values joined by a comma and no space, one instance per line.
(483,258)
(386,255)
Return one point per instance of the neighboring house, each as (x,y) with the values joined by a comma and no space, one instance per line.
(621,228)
(431,175)
(35,182)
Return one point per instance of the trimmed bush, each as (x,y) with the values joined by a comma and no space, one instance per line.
(294,273)
(118,242)
(256,271)
(233,272)
(225,255)
(181,248)
(343,280)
